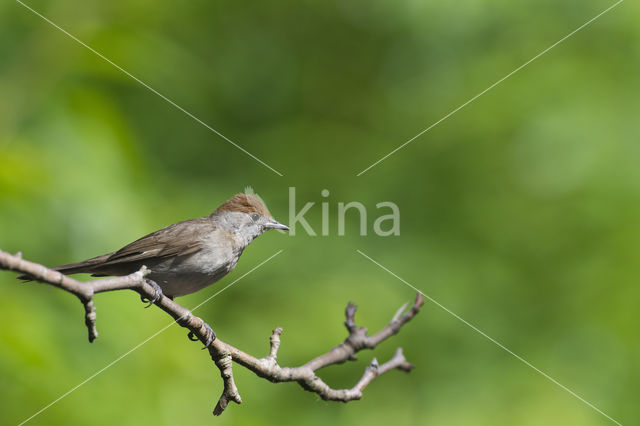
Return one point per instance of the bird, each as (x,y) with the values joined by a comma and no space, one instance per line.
(190,255)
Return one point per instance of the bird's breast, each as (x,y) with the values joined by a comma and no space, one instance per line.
(188,274)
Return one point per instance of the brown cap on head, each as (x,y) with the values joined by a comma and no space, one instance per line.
(246,203)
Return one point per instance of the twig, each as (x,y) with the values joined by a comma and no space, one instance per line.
(223,354)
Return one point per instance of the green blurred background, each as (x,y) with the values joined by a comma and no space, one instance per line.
(519,213)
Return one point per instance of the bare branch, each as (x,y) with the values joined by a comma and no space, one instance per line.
(90,319)
(230,391)
(223,354)
(274,344)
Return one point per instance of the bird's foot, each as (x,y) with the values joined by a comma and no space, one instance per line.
(211,336)
(157,293)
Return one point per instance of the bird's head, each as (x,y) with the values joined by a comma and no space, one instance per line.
(247,216)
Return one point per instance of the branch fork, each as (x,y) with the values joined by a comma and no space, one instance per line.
(223,354)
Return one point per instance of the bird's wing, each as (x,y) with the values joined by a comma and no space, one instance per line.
(179,239)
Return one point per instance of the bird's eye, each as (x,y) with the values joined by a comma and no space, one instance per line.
(255,217)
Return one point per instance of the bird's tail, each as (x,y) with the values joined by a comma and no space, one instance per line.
(85,266)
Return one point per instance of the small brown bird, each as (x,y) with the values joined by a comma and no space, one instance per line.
(187,256)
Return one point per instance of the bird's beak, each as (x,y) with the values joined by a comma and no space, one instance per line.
(274,224)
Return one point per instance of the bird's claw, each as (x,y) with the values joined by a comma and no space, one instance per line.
(156,296)
(211,336)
